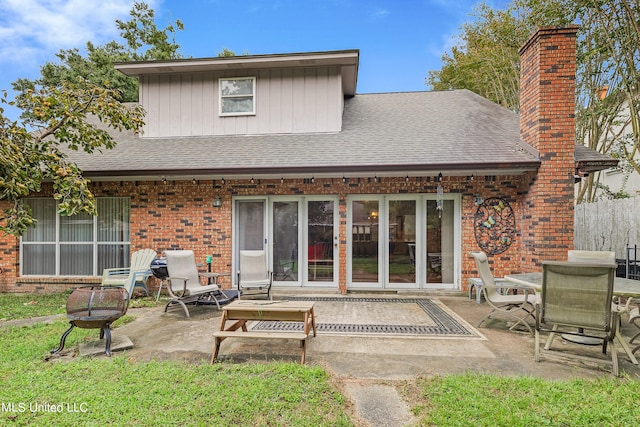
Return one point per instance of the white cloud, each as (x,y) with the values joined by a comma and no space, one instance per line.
(379,13)
(34,29)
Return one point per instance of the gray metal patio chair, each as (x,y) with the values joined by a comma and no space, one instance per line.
(517,307)
(184,285)
(253,274)
(576,300)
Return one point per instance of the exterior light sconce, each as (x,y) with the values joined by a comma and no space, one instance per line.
(217,202)
(252,180)
(223,181)
(344,179)
(313,180)
(440,196)
(164,180)
(407,178)
(282,180)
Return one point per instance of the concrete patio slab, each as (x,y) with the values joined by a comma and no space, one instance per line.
(97,347)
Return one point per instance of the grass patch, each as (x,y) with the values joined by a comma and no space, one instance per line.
(489,400)
(26,306)
(104,391)
(154,393)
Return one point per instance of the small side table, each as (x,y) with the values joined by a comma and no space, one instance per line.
(475,284)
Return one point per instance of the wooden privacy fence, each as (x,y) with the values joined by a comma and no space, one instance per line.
(608,225)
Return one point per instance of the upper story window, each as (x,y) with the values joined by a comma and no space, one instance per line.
(237,96)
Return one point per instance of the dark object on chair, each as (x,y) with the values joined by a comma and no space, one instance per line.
(95,307)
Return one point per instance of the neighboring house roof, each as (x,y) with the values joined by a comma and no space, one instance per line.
(589,160)
(409,133)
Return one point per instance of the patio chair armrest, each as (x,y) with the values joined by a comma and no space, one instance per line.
(531,295)
(115,271)
(511,285)
(181,292)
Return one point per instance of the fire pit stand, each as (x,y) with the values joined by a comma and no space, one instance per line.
(95,307)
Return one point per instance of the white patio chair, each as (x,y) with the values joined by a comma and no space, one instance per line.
(253,274)
(184,285)
(518,307)
(135,275)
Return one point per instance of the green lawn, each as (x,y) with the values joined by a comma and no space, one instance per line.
(118,391)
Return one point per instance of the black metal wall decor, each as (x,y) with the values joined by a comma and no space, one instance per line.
(494,226)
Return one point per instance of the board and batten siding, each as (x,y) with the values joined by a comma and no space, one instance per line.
(300,100)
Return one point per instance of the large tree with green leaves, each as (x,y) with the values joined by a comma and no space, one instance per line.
(57,116)
(35,150)
(486,61)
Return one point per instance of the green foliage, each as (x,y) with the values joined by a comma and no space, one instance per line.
(489,400)
(99,391)
(25,306)
(486,61)
(59,118)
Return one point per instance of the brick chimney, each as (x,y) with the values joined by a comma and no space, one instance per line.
(547,123)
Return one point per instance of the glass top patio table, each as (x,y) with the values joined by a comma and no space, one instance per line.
(621,287)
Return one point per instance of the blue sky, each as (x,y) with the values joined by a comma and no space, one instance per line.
(399,40)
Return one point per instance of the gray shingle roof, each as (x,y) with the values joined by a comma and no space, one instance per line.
(390,132)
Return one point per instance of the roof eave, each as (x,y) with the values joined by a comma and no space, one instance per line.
(347,60)
(447,169)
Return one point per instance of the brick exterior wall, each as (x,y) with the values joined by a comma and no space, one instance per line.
(180,215)
(547,123)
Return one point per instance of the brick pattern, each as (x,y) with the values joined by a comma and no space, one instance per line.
(547,123)
(180,215)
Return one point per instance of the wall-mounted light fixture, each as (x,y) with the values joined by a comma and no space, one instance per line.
(440,196)
(217,202)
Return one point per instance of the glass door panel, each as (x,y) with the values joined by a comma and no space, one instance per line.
(402,241)
(440,242)
(250,225)
(285,241)
(365,237)
(320,236)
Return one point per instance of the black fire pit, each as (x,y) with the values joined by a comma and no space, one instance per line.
(95,307)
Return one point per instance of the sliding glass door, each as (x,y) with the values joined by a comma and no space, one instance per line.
(298,233)
(403,242)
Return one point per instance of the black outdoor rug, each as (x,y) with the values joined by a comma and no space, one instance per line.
(426,317)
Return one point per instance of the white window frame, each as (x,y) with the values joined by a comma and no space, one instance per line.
(94,243)
(221,97)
